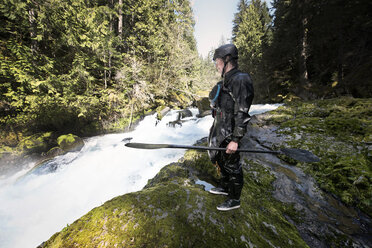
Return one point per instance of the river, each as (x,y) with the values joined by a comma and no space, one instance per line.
(35,204)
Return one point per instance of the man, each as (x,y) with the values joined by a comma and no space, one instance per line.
(230,99)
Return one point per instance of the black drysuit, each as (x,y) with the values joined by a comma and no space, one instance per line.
(230,100)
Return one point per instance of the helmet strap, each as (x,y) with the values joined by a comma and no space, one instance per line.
(224,66)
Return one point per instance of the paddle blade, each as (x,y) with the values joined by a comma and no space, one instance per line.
(146,146)
(300,155)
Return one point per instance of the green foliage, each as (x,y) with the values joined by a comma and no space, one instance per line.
(86,67)
(36,143)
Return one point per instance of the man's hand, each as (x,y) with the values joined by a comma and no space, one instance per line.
(231,147)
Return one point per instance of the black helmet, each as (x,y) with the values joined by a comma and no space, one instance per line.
(224,50)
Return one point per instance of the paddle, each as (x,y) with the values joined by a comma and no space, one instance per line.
(297,154)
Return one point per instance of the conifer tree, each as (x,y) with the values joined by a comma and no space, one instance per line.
(252,36)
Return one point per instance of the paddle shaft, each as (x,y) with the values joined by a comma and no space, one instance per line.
(297,154)
(159,146)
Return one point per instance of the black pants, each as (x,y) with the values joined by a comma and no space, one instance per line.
(231,173)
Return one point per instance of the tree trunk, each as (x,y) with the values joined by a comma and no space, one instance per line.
(303,89)
(32,21)
(107,72)
(120,22)
(304,78)
(340,56)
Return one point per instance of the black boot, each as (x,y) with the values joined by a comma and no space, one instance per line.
(218,191)
(230,204)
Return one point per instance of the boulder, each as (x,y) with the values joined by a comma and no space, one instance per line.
(162,111)
(204,107)
(184,114)
(54,152)
(70,143)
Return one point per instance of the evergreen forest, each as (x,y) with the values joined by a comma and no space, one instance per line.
(306,48)
(90,67)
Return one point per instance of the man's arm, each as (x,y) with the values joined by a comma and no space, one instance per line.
(243,94)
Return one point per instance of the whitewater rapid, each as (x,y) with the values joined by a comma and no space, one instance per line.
(36,204)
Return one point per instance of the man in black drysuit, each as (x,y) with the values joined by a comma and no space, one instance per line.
(230,99)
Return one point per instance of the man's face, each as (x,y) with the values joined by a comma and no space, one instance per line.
(219,64)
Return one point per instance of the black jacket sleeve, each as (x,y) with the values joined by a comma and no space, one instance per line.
(243,93)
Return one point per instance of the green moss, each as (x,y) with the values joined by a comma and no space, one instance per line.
(179,100)
(335,130)
(199,162)
(174,212)
(70,142)
(68,138)
(173,172)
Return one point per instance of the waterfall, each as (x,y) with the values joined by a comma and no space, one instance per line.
(36,204)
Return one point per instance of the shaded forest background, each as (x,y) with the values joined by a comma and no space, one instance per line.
(89,67)
(308,48)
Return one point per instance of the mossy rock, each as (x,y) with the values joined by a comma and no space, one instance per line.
(36,143)
(173,211)
(55,151)
(203,106)
(336,130)
(70,143)
(184,113)
(174,171)
(179,100)
(162,111)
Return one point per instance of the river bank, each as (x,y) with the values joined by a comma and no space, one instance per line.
(284,203)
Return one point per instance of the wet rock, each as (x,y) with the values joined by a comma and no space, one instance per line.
(323,220)
(54,152)
(184,114)
(162,111)
(177,123)
(205,113)
(28,150)
(181,115)
(127,140)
